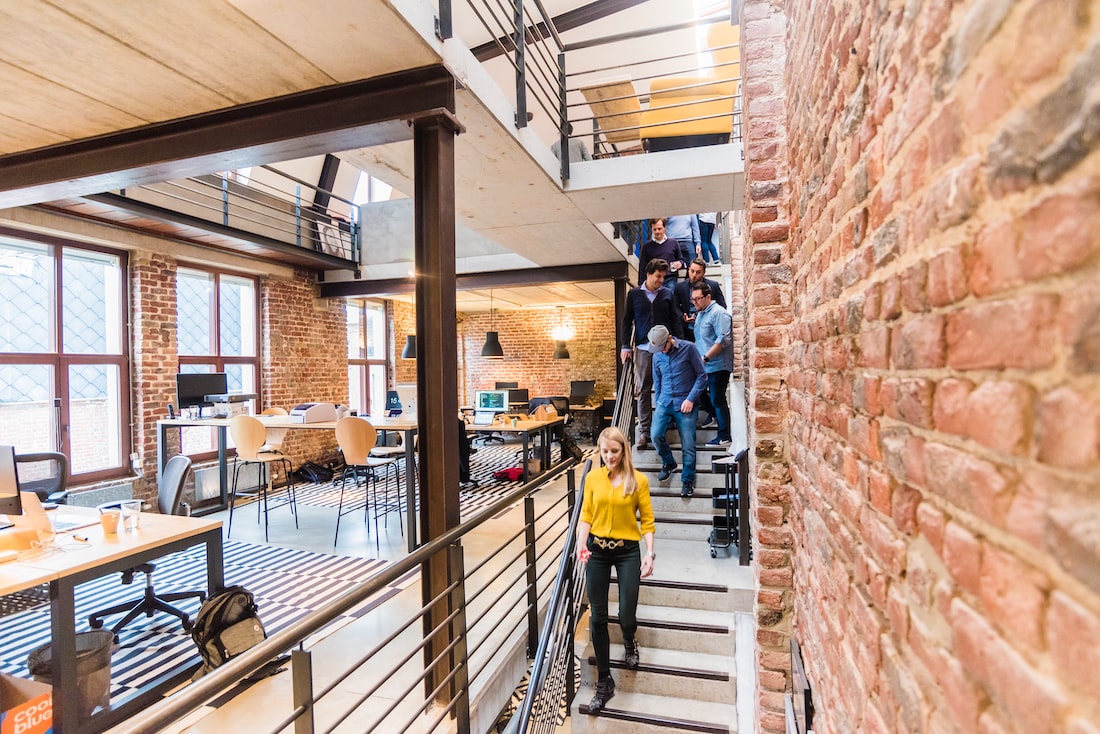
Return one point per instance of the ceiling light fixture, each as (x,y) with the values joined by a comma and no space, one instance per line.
(409,352)
(492,349)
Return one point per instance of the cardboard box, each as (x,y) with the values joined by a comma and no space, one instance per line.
(534,466)
(26,706)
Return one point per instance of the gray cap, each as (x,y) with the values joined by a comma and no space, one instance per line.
(658,335)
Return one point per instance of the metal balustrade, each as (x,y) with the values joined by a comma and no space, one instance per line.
(489,610)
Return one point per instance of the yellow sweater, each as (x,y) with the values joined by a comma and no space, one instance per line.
(610,514)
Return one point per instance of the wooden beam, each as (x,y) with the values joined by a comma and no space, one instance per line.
(340,117)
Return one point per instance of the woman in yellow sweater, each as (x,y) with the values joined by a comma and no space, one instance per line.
(609,536)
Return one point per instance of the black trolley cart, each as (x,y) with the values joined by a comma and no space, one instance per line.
(730,523)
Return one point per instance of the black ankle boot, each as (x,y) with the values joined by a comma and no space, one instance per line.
(631,657)
(605,689)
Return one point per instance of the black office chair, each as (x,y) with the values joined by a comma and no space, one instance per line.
(48,482)
(169,502)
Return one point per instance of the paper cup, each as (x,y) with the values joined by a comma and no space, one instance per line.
(109,520)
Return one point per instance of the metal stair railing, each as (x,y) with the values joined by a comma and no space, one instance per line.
(551,688)
(478,633)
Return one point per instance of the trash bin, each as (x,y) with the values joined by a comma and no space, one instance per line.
(93,667)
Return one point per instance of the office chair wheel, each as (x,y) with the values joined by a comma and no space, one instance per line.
(95,623)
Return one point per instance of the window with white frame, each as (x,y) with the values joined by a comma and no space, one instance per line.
(64,363)
(367,371)
(217,331)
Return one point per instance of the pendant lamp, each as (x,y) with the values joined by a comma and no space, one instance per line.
(492,348)
(561,334)
(409,352)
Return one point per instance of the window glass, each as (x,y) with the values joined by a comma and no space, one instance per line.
(356,393)
(237,316)
(377,388)
(28,419)
(26,297)
(91,301)
(375,331)
(194,293)
(94,405)
(355,331)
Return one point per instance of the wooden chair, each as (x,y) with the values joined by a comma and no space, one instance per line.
(614,104)
(356,438)
(250,438)
(275,436)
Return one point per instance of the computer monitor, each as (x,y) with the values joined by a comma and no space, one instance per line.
(407,393)
(193,387)
(506,385)
(9,483)
(519,395)
(494,400)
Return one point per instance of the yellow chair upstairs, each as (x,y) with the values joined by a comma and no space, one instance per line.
(672,107)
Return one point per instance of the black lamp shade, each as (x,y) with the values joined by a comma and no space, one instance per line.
(492,348)
(561,351)
(409,352)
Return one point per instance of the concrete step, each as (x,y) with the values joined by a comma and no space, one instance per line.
(693,676)
(672,628)
(641,713)
(683,525)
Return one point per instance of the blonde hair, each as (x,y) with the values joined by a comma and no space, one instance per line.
(613,434)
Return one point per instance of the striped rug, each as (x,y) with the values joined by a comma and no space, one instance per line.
(288,584)
(483,464)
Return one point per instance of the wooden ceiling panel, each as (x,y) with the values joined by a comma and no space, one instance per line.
(45,41)
(60,111)
(17,136)
(208,41)
(347,39)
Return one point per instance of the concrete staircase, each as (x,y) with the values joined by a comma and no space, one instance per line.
(689,613)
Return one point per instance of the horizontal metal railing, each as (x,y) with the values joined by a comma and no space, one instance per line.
(291,211)
(487,614)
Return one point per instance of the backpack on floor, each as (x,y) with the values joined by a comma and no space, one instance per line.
(314,473)
(226,626)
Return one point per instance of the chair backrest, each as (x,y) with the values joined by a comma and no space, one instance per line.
(249,435)
(721,38)
(561,404)
(275,436)
(356,437)
(48,482)
(170,491)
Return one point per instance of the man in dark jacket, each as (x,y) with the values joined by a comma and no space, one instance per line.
(681,295)
(647,305)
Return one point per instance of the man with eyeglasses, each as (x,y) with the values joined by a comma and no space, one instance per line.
(713,339)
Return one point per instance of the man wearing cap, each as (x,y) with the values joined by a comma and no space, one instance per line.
(678,379)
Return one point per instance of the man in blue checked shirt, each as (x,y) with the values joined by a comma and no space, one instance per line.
(713,329)
(678,379)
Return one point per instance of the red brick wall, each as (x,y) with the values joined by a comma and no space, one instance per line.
(305,356)
(766,265)
(404,323)
(933,484)
(153,363)
(529,348)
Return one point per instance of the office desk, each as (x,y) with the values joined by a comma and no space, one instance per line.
(406,425)
(525,429)
(157,536)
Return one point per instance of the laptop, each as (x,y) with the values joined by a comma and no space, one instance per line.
(35,515)
(484,417)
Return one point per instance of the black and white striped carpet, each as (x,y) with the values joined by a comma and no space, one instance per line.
(288,585)
(488,460)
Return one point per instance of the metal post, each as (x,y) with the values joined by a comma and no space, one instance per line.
(532,577)
(301,673)
(564,129)
(298,215)
(436,378)
(460,659)
(443,23)
(225,199)
(520,39)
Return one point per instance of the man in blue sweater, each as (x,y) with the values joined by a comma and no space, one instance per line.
(678,379)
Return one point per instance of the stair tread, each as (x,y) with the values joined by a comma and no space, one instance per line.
(682,615)
(688,661)
(653,706)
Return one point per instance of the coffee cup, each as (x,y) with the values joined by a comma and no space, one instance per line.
(108,518)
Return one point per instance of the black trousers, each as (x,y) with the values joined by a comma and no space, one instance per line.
(627,562)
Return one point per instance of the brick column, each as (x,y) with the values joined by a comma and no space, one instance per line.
(154,357)
(768,317)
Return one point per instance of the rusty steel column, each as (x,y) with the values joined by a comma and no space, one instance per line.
(436,376)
